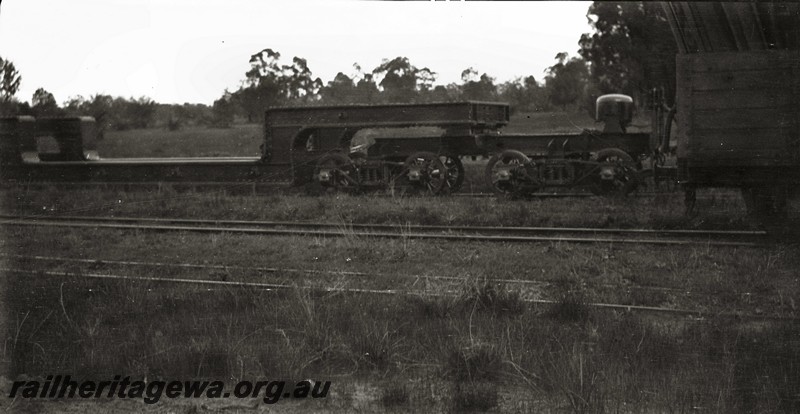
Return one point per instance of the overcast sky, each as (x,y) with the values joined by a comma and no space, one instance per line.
(177,51)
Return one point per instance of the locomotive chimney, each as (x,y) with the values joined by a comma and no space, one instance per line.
(615,111)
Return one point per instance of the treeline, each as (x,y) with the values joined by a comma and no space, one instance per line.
(631,51)
(271,83)
(112,113)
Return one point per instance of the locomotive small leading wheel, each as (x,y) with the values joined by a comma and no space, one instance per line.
(425,171)
(335,171)
(616,174)
(506,174)
(454,171)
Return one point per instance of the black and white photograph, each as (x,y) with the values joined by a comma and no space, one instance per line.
(363,206)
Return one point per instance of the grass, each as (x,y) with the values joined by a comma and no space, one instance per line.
(482,360)
(483,348)
(642,212)
(244,139)
(240,140)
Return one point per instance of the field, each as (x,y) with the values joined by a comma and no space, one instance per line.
(399,325)
(244,140)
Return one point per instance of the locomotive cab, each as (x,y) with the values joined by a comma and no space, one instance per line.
(615,111)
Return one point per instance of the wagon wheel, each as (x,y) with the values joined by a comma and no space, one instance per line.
(454,171)
(507,174)
(336,171)
(616,173)
(424,171)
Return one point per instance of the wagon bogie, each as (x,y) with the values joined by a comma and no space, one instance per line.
(609,172)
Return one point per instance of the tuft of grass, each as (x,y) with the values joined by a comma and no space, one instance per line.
(480,362)
(471,396)
(635,344)
(571,307)
(393,395)
(483,295)
(379,346)
(577,372)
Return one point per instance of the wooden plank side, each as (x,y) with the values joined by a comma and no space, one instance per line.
(770,79)
(683,69)
(744,118)
(726,99)
(739,106)
(757,60)
(748,140)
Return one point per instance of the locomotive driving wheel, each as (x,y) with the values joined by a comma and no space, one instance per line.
(507,174)
(424,172)
(454,172)
(616,173)
(336,171)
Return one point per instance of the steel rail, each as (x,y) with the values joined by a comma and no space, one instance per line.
(278,286)
(404,227)
(344,232)
(260,269)
(277,185)
(539,283)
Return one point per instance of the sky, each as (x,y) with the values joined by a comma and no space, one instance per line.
(178,51)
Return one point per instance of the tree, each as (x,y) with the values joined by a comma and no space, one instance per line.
(477,88)
(299,84)
(9,80)
(134,113)
(632,49)
(43,104)
(366,89)
(268,83)
(401,80)
(97,106)
(524,95)
(567,80)
(140,112)
(223,111)
(340,90)
(441,93)
(264,84)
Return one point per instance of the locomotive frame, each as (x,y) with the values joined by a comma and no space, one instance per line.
(322,146)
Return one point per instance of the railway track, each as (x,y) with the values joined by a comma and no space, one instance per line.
(446,233)
(278,186)
(211,285)
(275,186)
(262,270)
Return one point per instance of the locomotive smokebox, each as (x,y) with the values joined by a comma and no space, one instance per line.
(615,111)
